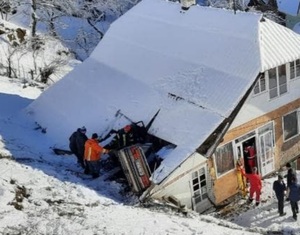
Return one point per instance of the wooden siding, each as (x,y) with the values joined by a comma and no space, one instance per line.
(226,186)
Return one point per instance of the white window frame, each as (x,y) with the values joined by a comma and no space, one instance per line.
(295,69)
(261,85)
(280,87)
(218,175)
(200,187)
(283,125)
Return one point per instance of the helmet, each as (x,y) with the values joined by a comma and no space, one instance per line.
(127,128)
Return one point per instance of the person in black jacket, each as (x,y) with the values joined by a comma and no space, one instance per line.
(279,188)
(123,138)
(77,141)
(294,196)
(289,176)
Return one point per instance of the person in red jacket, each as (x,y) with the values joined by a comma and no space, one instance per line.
(250,154)
(92,154)
(255,185)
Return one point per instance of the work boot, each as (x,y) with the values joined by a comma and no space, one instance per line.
(282,214)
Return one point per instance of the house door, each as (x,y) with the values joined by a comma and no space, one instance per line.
(265,151)
(246,150)
(200,189)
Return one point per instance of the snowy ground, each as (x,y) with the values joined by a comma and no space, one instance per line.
(41,193)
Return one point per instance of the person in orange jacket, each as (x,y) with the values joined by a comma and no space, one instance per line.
(92,154)
(255,185)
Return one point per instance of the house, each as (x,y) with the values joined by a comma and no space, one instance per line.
(222,80)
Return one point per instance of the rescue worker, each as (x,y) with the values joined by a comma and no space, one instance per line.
(240,171)
(250,154)
(255,185)
(279,189)
(124,137)
(92,154)
(76,145)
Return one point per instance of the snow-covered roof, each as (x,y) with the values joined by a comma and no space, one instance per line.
(195,66)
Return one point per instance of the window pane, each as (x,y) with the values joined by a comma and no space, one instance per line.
(224,159)
(282,75)
(272,82)
(256,88)
(266,128)
(197,199)
(196,187)
(260,85)
(292,69)
(297,68)
(263,83)
(282,89)
(262,148)
(282,71)
(273,93)
(290,125)
(282,80)
(202,177)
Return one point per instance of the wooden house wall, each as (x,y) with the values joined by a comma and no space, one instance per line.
(226,185)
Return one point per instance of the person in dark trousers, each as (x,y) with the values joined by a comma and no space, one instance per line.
(77,141)
(279,188)
(290,174)
(92,154)
(294,196)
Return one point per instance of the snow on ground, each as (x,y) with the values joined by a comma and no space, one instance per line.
(42,193)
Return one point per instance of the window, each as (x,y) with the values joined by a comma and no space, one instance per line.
(295,69)
(260,86)
(199,185)
(277,81)
(267,128)
(290,125)
(224,159)
(245,137)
